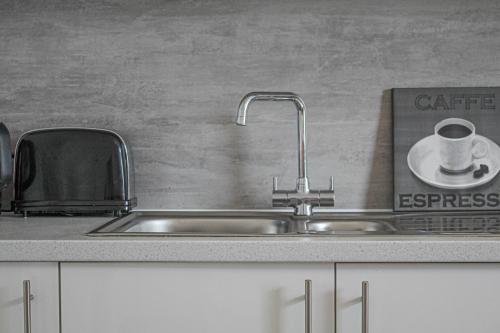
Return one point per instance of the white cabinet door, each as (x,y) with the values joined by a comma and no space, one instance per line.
(44,281)
(420,298)
(194,298)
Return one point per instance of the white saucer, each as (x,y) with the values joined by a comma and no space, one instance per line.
(423,161)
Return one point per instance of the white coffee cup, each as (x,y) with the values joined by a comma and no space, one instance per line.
(458,144)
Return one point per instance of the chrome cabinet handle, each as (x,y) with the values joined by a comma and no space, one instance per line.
(308,306)
(27,297)
(364,307)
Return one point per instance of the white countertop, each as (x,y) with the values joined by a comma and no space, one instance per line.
(63,239)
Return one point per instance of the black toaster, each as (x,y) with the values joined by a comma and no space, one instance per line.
(72,171)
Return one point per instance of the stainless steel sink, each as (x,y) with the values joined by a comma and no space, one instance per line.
(284,223)
(235,223)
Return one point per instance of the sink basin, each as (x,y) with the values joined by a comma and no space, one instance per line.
(209,223)
(234,223)
(350,227)
(206,225)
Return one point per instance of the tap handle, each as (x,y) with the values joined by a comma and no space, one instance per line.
(280,198)
(327,197)
(275,184)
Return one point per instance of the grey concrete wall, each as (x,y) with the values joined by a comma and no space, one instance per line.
(168,75)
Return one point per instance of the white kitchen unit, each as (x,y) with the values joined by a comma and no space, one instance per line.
(418,298)
(195,297)
(44,286)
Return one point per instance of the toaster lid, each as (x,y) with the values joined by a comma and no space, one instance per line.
(71,164)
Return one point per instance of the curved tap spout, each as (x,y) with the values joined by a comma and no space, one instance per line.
(302,181)
(302,198)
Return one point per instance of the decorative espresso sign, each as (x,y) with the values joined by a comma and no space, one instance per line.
(446,152)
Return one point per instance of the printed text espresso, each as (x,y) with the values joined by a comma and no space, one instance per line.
(449,200)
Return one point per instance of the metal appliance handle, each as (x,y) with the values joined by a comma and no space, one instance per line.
(364,307)
(5,157)
(308,306)
(27,298)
